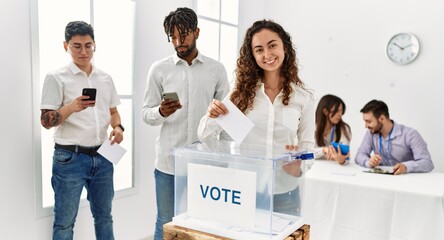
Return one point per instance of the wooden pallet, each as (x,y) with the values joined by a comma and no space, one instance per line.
(173,232)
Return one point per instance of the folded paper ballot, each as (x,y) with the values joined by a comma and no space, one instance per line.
(235,123)
(112,153)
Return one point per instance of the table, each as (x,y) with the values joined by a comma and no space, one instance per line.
(343,202)
(174,232)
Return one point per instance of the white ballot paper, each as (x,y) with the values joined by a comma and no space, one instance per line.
(235,123)
(112,153)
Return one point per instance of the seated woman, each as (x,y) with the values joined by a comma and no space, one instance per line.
(331,128)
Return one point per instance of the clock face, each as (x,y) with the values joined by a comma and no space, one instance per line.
(403,48)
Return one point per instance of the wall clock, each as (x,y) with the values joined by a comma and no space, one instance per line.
(403,48)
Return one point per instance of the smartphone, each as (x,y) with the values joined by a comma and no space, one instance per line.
(172,96)
(91,92)
(344,148)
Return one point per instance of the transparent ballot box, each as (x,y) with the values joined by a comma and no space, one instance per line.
(238,192)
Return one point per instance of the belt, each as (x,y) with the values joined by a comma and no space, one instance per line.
(79,149)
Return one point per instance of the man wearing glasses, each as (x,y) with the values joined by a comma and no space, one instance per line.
(80,127)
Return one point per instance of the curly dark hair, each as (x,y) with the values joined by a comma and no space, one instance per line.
(183,18)
(248,72)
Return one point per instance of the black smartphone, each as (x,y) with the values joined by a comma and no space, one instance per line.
(171,96)
(91,92)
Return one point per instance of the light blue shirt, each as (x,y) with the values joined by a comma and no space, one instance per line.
(404,146)
(196,85)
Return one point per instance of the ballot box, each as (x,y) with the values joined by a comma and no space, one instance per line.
(239,191)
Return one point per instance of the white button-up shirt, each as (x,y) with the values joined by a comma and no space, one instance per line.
(88,127)
(196,85)
(275,125)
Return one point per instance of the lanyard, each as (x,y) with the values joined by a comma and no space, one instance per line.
(332,133)
(381,148)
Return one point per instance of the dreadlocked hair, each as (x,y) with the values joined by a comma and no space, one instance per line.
(249,74)
(184,19)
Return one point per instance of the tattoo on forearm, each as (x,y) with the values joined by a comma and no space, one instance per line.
(50,118)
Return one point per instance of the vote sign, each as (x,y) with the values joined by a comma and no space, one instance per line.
(224,195)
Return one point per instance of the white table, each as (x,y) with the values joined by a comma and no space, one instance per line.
(344,203)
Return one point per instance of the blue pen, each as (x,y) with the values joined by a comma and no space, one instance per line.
(304,155)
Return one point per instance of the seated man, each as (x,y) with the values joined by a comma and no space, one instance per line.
(392,144)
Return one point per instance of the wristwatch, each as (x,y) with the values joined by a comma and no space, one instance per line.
(120,126)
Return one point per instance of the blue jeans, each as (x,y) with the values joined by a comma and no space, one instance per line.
(165,201)
(71,172)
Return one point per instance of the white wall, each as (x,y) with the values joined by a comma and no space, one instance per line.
(341,48)
(16,164)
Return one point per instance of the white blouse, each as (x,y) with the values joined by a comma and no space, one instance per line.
(275,125)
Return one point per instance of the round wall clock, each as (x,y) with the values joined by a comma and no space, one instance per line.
(403,48)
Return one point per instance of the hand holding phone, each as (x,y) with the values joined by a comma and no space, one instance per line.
(91,92)
(344,148)
(170,104)
(172,96)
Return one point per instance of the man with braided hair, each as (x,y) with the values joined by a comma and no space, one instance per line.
(197,80)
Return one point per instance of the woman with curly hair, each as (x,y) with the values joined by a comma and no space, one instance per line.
(269,92)
(331,128)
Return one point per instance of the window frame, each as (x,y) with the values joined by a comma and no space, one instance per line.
(221,23)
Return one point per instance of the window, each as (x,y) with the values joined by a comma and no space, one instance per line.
(114,55)
(218,23)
